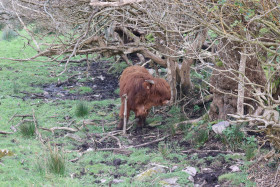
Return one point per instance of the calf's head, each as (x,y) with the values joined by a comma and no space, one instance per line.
(159,92)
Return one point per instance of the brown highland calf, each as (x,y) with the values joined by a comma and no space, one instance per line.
(143,91)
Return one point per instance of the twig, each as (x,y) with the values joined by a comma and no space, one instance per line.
(12,117)
(112,136)
(276,174)
(188,122)
(36,128)
(208,151)
(148,143)
(59,128)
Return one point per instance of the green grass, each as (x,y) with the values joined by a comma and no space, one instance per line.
(237,179)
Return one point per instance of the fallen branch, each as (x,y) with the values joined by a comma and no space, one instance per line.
(209,151)
(59,128)
(114,4)
(2,132)
(188,122)
(148,143)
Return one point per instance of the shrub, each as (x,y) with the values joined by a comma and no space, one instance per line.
(8,34)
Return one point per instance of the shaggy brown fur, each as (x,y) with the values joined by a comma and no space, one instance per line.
(142,95)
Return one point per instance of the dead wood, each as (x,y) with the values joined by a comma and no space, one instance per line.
(36,128)
(2,132)
(209,151)
(60,128)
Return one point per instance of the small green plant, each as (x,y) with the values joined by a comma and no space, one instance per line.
(117,91)
(233,137)
(196,108)
(250,147)
(117,68)
(8,34)
(219,63)
(201,137)
(40,167)
(82,109)
(56,161)
(15,88)
(163,149)
(27,129)
(1,26)
(150,37)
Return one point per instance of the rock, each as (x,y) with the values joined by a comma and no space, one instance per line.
(174,168)
(191,178)
(206,170)
(117,181)
(169,182)
(46,94)
(220,127)
(60,94)
(101,77)
(234,168)
(148,173)
(190,170)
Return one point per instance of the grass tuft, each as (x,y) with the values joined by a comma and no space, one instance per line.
(82,109)
(15,88)
(8,34)
(27,130)
(56,162)
(201,137)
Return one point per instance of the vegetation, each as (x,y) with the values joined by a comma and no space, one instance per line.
(27,130)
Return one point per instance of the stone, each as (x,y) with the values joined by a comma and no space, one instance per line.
(190,170)
(148,173)
(234,168)
(169,182)
(191,178)
(220,127)
(117,181)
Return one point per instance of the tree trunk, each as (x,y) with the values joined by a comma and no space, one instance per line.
(171,74)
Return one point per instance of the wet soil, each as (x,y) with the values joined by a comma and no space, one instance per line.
(102,83)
